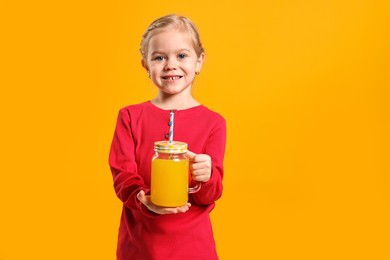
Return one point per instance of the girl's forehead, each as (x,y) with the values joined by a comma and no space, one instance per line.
(170,38)
(169,32)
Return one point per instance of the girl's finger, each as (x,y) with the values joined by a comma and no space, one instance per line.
(199,172)
(201,158)
(199,165)
(141,196)
(190,154)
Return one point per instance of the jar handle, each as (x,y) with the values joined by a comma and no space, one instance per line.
(196,188)
(198,185)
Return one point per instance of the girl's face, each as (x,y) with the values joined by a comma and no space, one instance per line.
(172,61)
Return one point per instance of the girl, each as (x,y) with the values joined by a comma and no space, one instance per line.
(172,55)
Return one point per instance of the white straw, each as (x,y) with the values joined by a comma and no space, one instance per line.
(171,122)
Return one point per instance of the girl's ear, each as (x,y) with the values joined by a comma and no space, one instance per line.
(144,65)
(199,62)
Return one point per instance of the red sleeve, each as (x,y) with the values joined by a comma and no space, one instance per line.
(127,181)
(215,148)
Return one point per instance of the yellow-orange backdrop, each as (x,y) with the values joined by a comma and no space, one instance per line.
(303,85)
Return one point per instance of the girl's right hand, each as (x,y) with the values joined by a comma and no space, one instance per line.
(158,209)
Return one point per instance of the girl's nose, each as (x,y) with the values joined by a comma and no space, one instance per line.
(170,65)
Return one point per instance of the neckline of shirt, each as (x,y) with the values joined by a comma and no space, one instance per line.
(156,108)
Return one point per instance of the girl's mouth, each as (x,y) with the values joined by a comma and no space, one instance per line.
(172,77)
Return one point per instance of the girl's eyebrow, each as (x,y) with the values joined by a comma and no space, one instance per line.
(156,52)
(184,50)
(161,52)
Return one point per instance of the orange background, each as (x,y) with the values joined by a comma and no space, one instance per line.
(303,85)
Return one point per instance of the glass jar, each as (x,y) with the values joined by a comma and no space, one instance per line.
(170,174)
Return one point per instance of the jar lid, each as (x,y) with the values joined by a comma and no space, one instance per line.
(167,147)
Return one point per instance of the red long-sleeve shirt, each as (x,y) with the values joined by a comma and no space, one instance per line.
(144,234)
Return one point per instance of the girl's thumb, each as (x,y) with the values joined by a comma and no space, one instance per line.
(190,154)
(141,195)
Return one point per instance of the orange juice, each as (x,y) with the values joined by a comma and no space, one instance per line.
(170,174)
(169,183)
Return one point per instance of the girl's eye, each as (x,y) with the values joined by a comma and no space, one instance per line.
(158,58)
(182,56)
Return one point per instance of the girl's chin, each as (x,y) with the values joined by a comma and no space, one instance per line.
(172,91)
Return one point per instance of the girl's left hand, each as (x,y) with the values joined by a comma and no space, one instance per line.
(145,199)
(200,166)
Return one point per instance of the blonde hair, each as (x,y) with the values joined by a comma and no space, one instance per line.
(178,22)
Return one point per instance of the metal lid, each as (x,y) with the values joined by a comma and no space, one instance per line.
(167,147)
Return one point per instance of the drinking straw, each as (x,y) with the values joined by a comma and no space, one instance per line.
(171,120)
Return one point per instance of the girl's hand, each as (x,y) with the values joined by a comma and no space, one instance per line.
(200,166)
(158,209)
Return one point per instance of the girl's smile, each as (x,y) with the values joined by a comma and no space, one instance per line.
(172,77)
